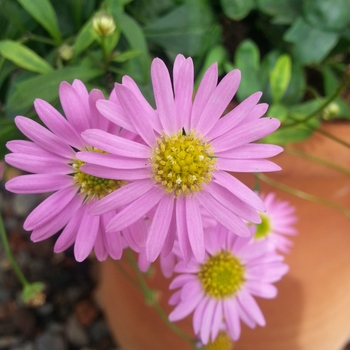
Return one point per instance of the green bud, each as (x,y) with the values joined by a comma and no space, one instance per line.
(103,24)
(65,52)
(33,294)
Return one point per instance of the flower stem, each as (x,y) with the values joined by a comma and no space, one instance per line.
(303,195)
(150,298)
(10,257)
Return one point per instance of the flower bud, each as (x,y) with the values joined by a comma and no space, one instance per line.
(103,24)
(65,52)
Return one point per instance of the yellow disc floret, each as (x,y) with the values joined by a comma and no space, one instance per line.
(91,186)
(264,228)
(182,163)
(222,342)
(222,275)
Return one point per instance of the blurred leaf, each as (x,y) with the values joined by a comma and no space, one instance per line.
(282,11)
(43,12)
(237,9)
(332,15)
(125,56)
(112,40)
(330,80)
(46,86)
(278,111)
(84,39)
(288,134)
(184,29)
(8,131)
(23,57)
(280,77)
(311,45)
(247,59)
(139,67)
(6,69)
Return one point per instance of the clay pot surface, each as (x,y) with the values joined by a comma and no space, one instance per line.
(312,309)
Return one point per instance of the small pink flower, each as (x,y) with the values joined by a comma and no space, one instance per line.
(277,223)
(185,157)
(51,158)
(219,291)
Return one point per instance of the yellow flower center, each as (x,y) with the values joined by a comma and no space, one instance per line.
(222,342)
(182,163)
(222,275)
(91,186)
(264,228)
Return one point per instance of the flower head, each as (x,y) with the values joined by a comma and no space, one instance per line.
(51,158)
(184,156)
(220,290)
(276,223)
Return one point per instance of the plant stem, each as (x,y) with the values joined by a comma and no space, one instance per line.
(149,294)
(304,195)
(10,257)
(315,159)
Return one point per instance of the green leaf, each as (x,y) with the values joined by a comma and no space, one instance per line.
(126,55)
(23,57)
(247,59)
(8,132)
(328,15)
(280,77)
(84,39)
(288,134)
(330,80)
(185,29)
(278,111)
(46,86)
(43,12)
(311,45)
(236,9)
(139,67)
(282,11)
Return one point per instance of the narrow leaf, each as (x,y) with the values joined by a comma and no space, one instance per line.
(23,57)
(280,77)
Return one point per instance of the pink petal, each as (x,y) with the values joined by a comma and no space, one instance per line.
(163,95)
(115,144)
(98,121)
(59,221)
(134,109)
(115,174)
(171,236)
(262,289)
(205,90)
(183,90)
(245,133)
(198,315)
(33,163)
(251,151)
(72,105)
(175,298)
(218,102)
(235,117)
(191,288)
(159,227)
(39,183)
(43,137)
(234,204)
(137,209)
(151,114)
(195,228)
(49,208)
(182,231)
(68,235)
(58,124)
(232,318)
(217,320)
(122,196)
(86,236)
(239,189)
(223,215)
(208,315)
(257,112)
(100,248)
(181,280)
(112,161)
(115,113)
(184,308)
(247,165)
(251,307)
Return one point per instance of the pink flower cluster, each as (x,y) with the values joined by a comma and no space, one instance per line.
(121,173)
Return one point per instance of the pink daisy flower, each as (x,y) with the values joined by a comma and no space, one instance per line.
(185,157)
(221,288)
(276,223)
(51,158)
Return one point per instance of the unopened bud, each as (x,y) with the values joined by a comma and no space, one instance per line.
(65,52)
(103,24)
(332,110)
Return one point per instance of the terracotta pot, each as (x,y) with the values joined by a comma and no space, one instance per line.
(312,309)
